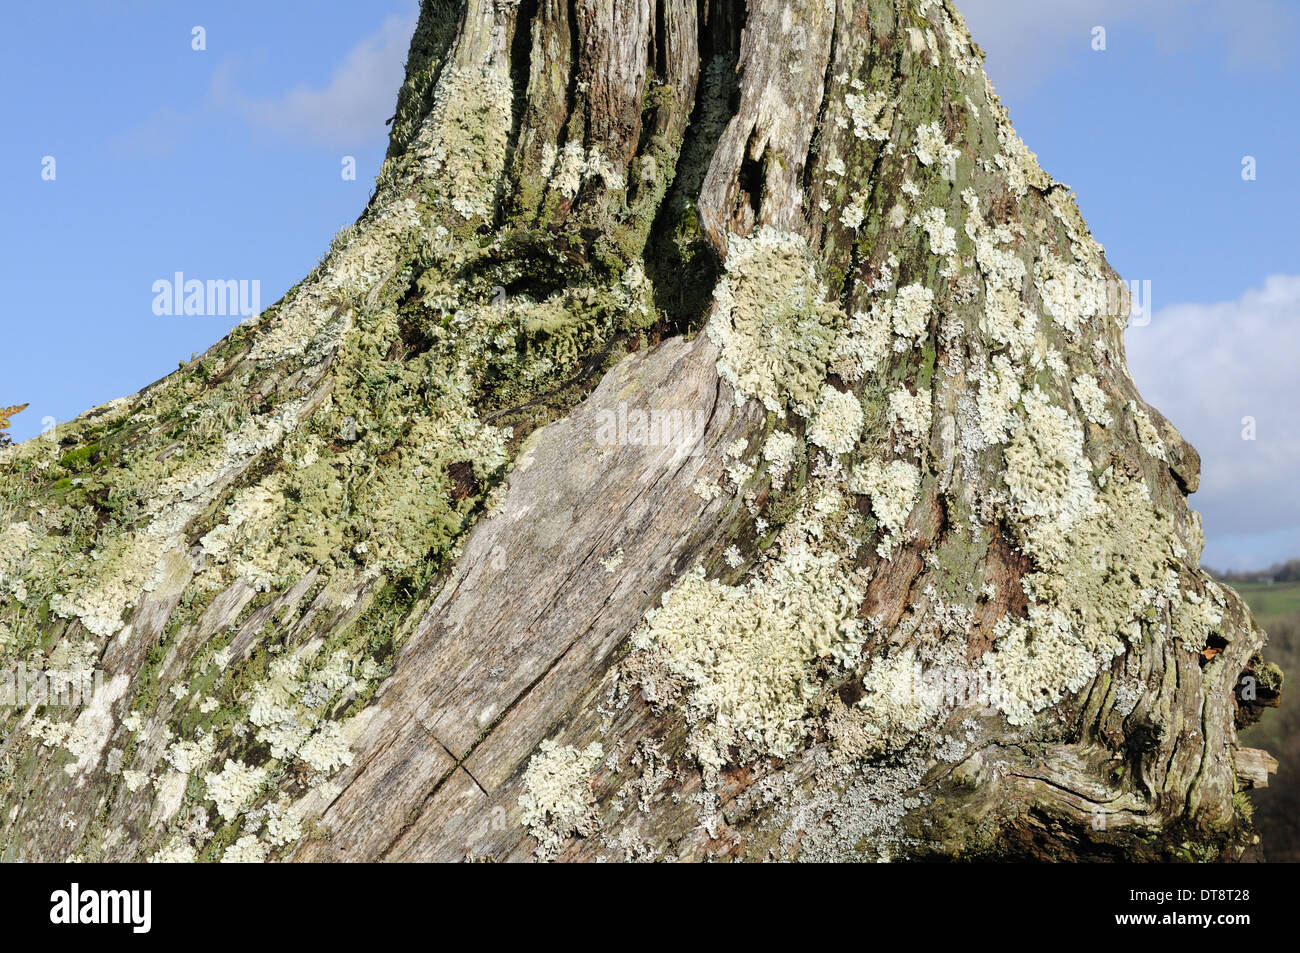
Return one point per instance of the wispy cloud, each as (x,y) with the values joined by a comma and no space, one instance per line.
(158,137)
(1025,39)
(350,108)
(1209,366)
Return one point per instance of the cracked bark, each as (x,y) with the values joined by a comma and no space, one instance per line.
(520,633)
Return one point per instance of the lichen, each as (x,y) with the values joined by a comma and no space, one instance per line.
(911,310)
(893,488)
(745,652)
(864,343)
(1148,436)
(573,167)
(895,706)
(1092,400)
(837,423)
(943,237)
(932,146)
(772,323)
(466,138)
(1048,476)
(557,798)
(1035,662)
(998,397)
(871,114)
(247,850)
(234,787)
(1069,296)
(911,415)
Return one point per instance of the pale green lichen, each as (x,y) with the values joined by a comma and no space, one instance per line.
(864,343)
(1092,400)
(943,237)
(893,488)
(745,653)
(247,850)
(466,138)
(837,423)
(1048,476)
(855,211)
(933,147)
(911,416)
(998,396)
(772,323)
(234,787)
(557,798)
(1035,663)
(1020,165)
(571,168)
(1117,565)
(1069,296)
(871,114)
(895,705)
(1147,434)
(177,852)
(778,451)
(745,650)
(1196,616)
(911,310)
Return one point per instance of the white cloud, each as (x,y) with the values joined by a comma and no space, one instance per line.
(157,137)
(1208,366)
(1028,40)
(351,108)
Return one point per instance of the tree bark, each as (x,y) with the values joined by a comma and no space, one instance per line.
(713,441)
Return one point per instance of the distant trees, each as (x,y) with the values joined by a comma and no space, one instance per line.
(1288,571)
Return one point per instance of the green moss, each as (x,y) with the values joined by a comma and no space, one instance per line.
(1243,807)
(81,458)
(1271,677)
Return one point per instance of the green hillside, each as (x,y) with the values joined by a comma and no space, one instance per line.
(1277,607)
(1272,602)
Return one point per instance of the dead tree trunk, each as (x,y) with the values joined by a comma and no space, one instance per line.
(714,440)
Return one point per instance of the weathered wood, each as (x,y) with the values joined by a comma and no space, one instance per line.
(530,617)
(714,441)
(1254,765)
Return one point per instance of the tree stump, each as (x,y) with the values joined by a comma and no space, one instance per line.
(713,441)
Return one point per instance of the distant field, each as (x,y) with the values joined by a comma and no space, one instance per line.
(1271,602)
(1277,815)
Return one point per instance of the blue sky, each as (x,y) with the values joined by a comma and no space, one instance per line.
(169,159)
(225,163)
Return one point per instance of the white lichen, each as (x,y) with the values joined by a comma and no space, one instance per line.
(998,397)
(557,797)
(911,416)
(869,114)
(1091,400)
(911,310)
(745,650)
(234,787)
(837,423)
(893,488)
(1035,662)
(247,850)
(933,147)
(943,237)
(772,322)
